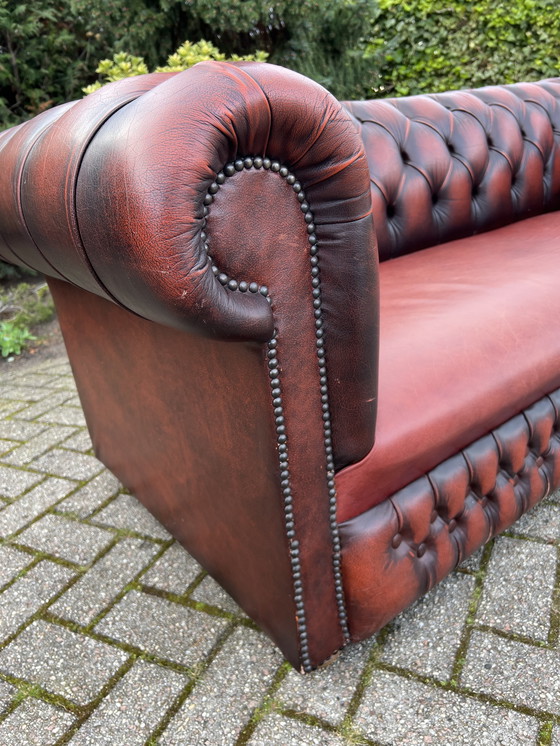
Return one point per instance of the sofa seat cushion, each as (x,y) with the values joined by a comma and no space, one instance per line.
(470,336)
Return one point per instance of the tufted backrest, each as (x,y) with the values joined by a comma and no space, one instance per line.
(449,165)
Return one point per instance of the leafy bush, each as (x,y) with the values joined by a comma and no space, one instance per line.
(319,38)
(48,50)
(322,40)
(421,46)
(13,338)
(21,307)
(124,65)
(30,304)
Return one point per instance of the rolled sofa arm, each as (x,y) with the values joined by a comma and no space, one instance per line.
(111,192)
(227,202)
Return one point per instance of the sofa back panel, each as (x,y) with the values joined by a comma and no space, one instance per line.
(449,165)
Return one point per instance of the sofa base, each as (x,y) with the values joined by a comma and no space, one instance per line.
(395,552)
(187,425)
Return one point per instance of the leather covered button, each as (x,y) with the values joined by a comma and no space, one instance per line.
(484,501)
(421,551)
(396,542)
(452,525)
(539,462)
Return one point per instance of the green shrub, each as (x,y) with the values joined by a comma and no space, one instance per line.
(21,307)
(124,65)
(421,46)
(49,50)
(319,38)
(13,338)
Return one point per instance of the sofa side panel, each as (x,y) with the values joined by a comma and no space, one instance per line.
(185,423)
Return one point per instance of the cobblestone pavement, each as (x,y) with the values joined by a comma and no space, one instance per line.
(111,634)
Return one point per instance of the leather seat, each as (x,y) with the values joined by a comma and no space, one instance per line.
(445,298)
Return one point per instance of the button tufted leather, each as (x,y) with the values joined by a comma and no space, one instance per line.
(453,164)
(470,491)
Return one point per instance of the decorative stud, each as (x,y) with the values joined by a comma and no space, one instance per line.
(244,286)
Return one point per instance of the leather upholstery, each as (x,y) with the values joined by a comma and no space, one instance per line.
(401,548)
(109,195)
(186,424)
(452,164)
(467,341)
(122,199)
(39,167)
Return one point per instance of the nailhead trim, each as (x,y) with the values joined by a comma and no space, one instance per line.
(244,286)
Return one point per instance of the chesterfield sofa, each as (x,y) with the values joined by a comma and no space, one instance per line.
(319,341)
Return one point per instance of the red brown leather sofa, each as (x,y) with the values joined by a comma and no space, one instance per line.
(328,411)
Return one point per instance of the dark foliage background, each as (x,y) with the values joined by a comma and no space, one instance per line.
(50,49)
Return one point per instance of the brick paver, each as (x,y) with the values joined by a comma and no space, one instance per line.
(517,595)
(98,587)
(70,540)
(174,571)
(7,691)
(133,708)
(514,671)
(34,723)
(73,666)
(235,684)
(401,711)
(111,634)
(11,563)
(28,593)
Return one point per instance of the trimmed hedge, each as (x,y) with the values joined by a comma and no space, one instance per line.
(422,46)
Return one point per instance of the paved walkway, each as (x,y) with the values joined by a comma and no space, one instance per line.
(111,634)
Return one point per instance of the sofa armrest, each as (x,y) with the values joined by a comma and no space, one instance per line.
(229,204)
(110,195)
